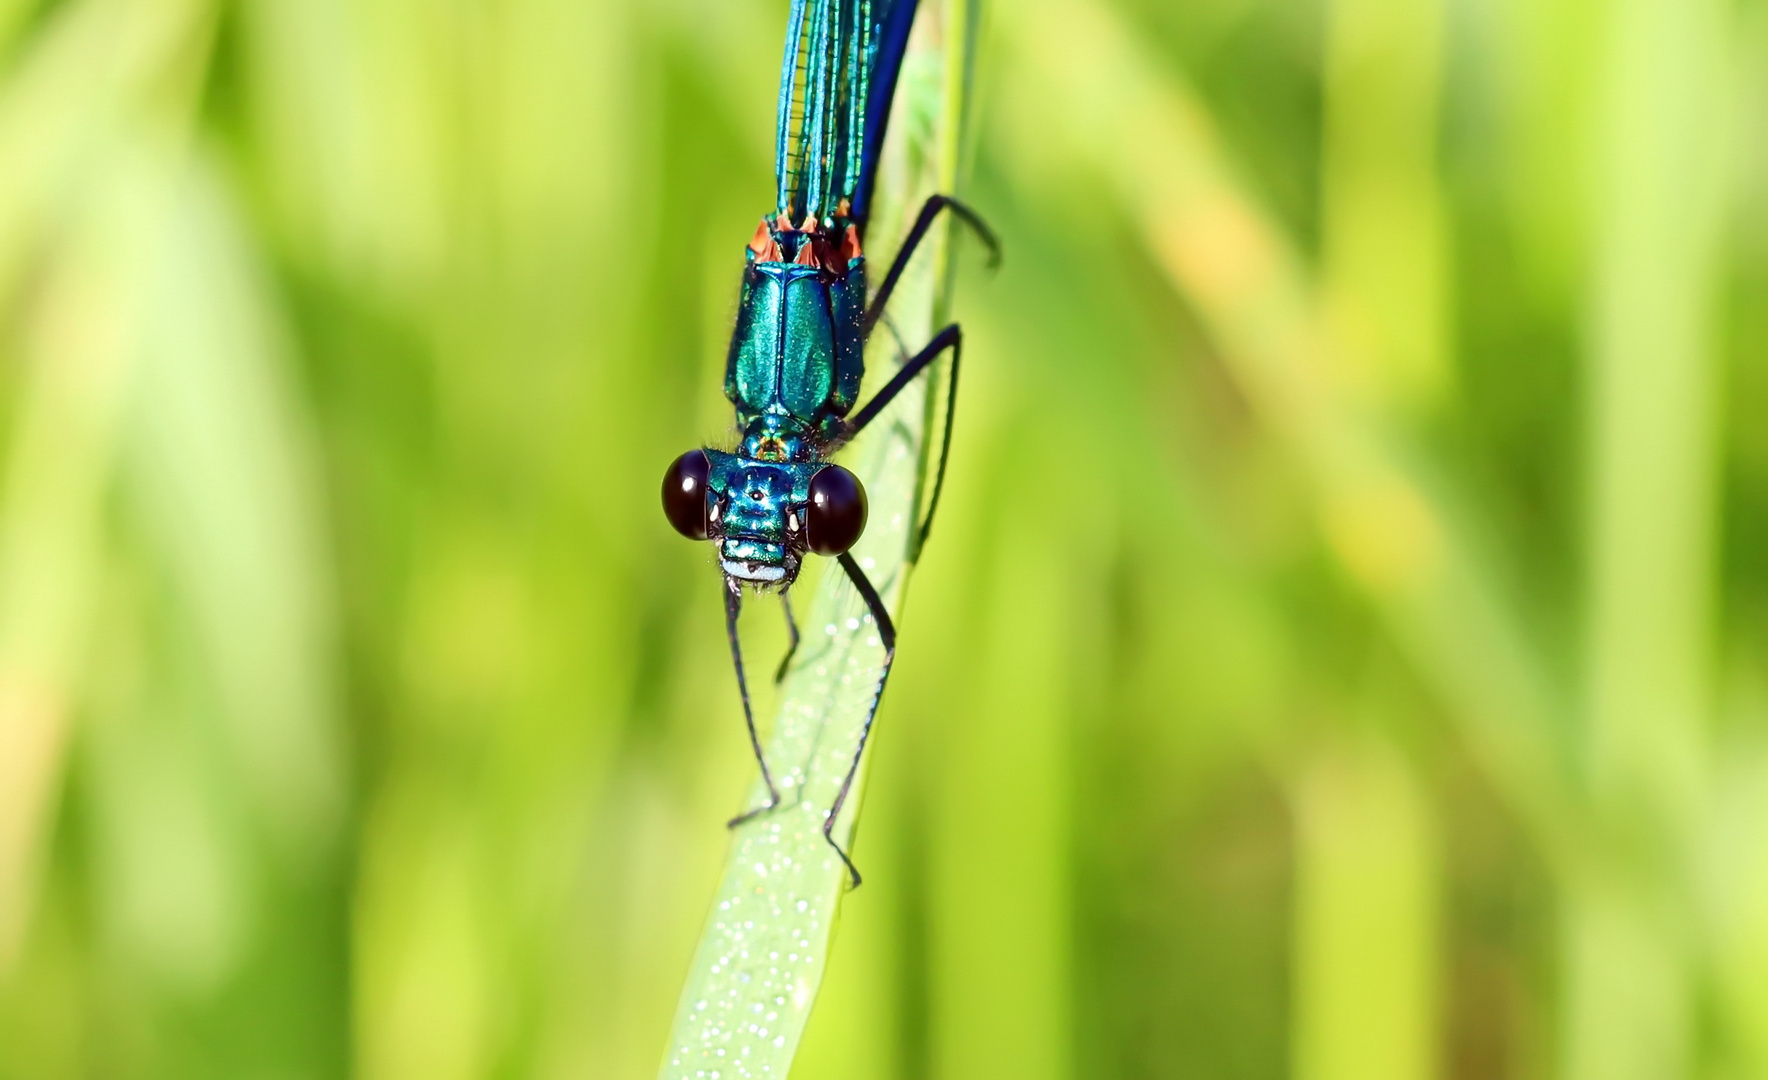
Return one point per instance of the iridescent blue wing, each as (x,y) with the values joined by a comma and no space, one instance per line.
(889,46)
(836,82)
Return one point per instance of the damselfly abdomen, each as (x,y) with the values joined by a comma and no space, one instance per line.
(797,356)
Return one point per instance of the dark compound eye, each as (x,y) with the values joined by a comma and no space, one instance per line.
(684,494)
(837,513)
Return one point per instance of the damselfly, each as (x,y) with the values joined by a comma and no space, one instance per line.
(797,356)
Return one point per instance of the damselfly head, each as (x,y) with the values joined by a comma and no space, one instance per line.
(756,518)
(763,516)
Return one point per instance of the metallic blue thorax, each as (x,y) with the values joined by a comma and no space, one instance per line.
(797,355)
(794,370)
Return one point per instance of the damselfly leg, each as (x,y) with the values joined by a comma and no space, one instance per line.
(952,337)
(733,607)
(886,636)
(792,636)
(930,211)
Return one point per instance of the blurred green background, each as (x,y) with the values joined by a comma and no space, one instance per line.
(1386,697)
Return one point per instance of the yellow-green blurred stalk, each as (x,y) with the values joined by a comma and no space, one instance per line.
(1658,192)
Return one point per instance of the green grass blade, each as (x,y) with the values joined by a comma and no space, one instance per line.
(1367,917)
(1384,278)
(1654,479)
(761,958)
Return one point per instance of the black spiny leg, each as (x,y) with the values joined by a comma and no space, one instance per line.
(924,221)
(951,337)
(733,606)
(887,635)
(791,629)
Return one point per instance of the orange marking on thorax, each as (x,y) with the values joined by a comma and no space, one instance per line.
(817,249)
(764,246)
